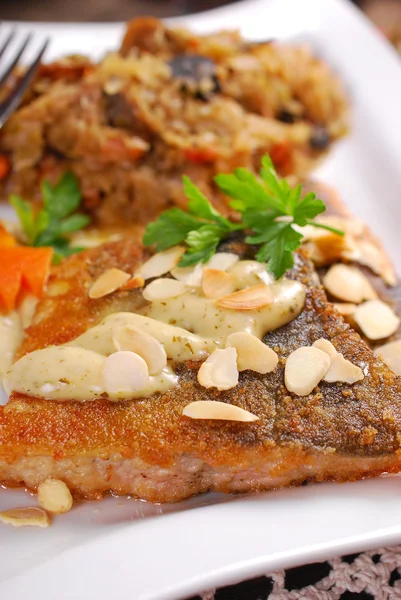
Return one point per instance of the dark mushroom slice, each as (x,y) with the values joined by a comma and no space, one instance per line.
(197,75)
(286,116)
(320,138)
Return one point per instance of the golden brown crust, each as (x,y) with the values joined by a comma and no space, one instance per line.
(363,419)
(65,313)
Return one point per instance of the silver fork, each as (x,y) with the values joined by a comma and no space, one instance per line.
(12,101)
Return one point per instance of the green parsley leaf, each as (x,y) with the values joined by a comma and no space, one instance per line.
(269,209)
(199,205)
(201,229)
(170,229)
(278,245)
(25,215)
(62,199)
(202,244)
(244,189)
(306,209)
(49,225)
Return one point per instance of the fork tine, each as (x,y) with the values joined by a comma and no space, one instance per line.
(14,63)
(11,103)
(7,42)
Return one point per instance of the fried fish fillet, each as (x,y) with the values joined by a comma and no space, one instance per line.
(147,448)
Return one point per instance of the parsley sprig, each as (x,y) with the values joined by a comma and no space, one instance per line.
(202,228)
(56,219)
(269,209)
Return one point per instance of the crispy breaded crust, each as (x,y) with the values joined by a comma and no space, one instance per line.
(66,311)
(338,432)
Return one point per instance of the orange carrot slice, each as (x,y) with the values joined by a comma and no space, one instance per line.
(5,166)
(22,269)
(6,239)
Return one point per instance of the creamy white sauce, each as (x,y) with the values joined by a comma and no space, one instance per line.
(179,344)
(189,326)
(10,339)
(250,272)
(72,373)
(202,317)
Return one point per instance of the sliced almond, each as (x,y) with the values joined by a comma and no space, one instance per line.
(210,409)
(391,355)
(191,276)
(370,254)
(376,319)
(326,346)
(251,298)
(304,369)
(163,289)
(58,288)
(108,282)
(346,309)
(252,353)
(134,283)
(135,340)
(219,370)
(124,373)
(54,496)
(342,370)
(349,284)
(25,517)
(222,261)
(216,284)
(250,272)
(161,263)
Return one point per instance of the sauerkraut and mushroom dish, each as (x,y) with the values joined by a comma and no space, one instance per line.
(171,103)
(243,336)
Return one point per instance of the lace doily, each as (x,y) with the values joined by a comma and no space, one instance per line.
(374,575)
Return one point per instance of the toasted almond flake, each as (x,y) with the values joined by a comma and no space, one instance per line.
(349,284)
(222,261)
(163,289)
(133,284)
(209,409)
(108,282)
(252,353)
(161,263)
(250,272)
(376,319)
(58,288)
(369,254)
(124,372)
(191,276)
(304,369)
(54,496)
(326,346)
(25,517)
(216,284)
(342,370)
(346,309)
(251,298)
(391,354)
(219,370)
(135,340)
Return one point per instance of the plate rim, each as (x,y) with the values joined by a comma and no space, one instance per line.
(253,566)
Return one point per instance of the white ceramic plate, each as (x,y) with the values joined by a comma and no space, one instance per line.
(125,549)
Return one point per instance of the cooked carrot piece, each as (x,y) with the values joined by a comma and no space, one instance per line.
(10,283)
(25,268)
(6,239)
(5,166)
